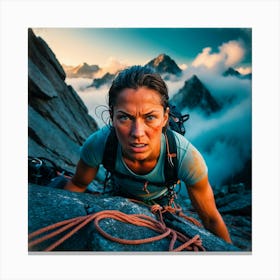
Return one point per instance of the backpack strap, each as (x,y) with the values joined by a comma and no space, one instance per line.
(170,164)
(110,152)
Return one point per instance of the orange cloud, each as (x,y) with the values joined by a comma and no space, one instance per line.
(229,54)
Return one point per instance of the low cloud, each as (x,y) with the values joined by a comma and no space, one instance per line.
(223,138)
(244,70)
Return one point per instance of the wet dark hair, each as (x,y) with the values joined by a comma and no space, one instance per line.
(135,77)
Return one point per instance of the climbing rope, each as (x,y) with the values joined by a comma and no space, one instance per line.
(193,244)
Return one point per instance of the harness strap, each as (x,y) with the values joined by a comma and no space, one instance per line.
(110,152)
(171,162)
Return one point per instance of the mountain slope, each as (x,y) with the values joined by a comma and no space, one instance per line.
(195,95)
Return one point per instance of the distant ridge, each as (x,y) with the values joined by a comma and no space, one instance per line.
(234,73)
(105,79)
(83,70)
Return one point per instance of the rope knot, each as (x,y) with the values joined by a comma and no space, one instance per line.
(156,208)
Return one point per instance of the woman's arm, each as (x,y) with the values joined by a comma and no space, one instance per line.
(203,200)
(83,176)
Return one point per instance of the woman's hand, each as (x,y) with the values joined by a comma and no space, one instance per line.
(83,176)
(203,200)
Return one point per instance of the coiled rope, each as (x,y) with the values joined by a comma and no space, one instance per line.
(190,244)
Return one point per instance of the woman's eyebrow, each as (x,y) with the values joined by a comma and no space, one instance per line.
(131,116)
(151,112)
(125,113)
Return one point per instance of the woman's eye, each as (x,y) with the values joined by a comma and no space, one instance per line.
(150,118)
(123,118)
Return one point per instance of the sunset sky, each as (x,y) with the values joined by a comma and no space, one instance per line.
(127,46)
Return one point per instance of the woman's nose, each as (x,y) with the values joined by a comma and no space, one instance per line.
(137,129)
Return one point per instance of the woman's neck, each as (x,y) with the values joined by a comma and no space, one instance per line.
(140,167)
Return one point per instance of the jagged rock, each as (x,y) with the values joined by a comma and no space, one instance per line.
(240,229)
(48,206)
(242,205)
(237,188)
(58,120)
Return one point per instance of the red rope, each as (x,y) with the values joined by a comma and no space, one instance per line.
(193,244)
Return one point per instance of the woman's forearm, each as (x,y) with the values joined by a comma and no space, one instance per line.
(73,187)
(218,227)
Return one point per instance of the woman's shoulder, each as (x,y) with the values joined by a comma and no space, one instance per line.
(100,134)
(93,148)
(192,166)
(181,141)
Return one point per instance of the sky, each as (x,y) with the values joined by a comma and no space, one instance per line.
(127,46)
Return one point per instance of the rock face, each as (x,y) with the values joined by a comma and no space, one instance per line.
(58,121)
(234,202)
(195,95)
(48,206)
(164,64)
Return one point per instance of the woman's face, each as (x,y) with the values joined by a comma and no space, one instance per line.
(138,120)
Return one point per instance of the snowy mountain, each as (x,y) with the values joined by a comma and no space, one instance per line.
(195,95)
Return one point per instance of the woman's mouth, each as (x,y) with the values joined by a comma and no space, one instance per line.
(138,147)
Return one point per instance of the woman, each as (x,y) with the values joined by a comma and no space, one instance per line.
(138,104)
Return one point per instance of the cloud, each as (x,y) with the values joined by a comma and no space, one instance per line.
(183,66)
(207,59)
(112,66)
(229,55)
(244,70)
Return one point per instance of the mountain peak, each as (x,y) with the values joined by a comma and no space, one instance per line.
(231,72)
(164,64)
(194,78)
(195,95)
(161,58)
